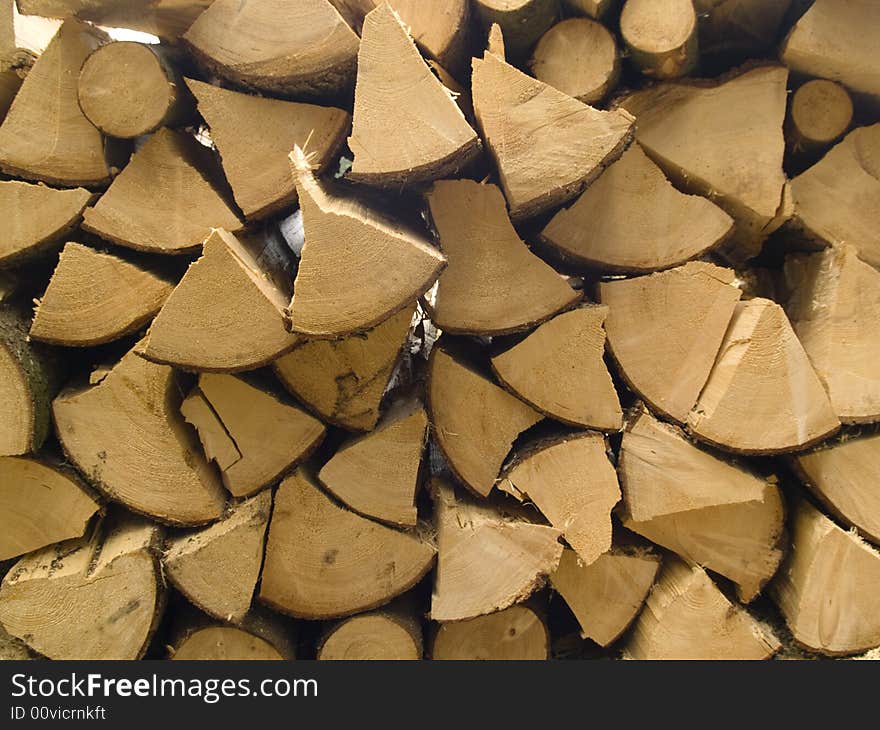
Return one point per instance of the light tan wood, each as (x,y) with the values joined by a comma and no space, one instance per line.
(837,200)
(377,474)
(547,146)
(257,164)
(633,220)
(835,311)
(166,18)
(687,617)
(375,636)
(559,370)
(836,39)
(126,90)
(217,567)
(661,36)
(732,29)
(343,380)
(97,597)
(343,235)
(607,594)
(225,643)
(595,9)
(827,588)
(495,42)
(487,560)
(711,512)
(225,315)
(45,135)
(573,484)
(724,141)
(762,396)
(515,634)
(261,44)
(474,421)
(41,503)
(96,297)
(24,235)
(127,437)
(578,57)
(493,284)
(821,113)
(396,90)
(12,649)
(692,306)
(522,21)
(323,561)
(29,379)
(267,434)
(844,474)
(163,201)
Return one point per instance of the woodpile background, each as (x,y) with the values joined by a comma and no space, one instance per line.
(498,329)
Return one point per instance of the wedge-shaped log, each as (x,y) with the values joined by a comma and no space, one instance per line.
(487,560)
(252,434)
(547,146)
(323,561)
(493,284)
(126,435)
(514,634)
(691,306)
(98,597)
(217,567)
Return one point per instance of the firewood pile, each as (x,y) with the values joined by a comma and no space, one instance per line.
(445,329)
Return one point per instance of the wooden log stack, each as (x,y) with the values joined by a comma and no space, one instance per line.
(442,329)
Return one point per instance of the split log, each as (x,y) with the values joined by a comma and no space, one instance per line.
(126,435)
(377,475)
(12,649)
(168,19)
(261,636)
(762,396)
(12,75)
(389,634)
(251,434)
(633,220)
(45,135)
(661,37)
(547,146)
(217,568)
(94,598)
(493,284)
(722,140)
(164,200)
(733,29)
(692,306)
(578,57)
(821,113)
(310,52)
(474,421)
(827,588)
(687,617)
(515,634)
(844,476)
(595,9)
(607,594)
(323,561)
(24,235)
(559,370)
(129,89)
(343,380)
(837,200)
(41,503)
(711,512)
(96,297)
(837,39)
(257,165)
(835,311)
(225,315)
(342,234)
(522,21)
(573,484)
(396,90)
(29,379)
(487,560)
